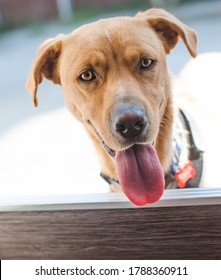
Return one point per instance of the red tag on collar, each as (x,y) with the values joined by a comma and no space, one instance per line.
(185,174)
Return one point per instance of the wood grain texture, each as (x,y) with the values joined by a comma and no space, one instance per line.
(190,232)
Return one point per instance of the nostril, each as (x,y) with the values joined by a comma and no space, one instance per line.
(121,128)
(140,124)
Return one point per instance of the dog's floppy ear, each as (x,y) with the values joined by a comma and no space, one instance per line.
(45,65)
(170,29)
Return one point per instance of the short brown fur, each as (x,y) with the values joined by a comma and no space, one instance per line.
(114,48)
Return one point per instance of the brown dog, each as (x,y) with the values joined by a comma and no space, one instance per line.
(116,82)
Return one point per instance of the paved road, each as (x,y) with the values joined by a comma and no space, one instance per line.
(18,49)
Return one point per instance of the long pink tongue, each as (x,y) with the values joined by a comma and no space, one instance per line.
(140,174)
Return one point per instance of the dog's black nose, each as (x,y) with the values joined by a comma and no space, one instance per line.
(129,121)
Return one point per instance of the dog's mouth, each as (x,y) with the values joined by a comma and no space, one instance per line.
(139,172)
(110,152)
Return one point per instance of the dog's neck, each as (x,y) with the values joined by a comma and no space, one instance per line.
(163,145)
(165,137)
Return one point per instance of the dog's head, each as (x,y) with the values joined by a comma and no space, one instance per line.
(115,81)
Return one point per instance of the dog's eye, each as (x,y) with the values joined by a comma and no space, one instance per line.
(146,63)
(87,76)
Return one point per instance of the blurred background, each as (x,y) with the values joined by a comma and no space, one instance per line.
(35,144)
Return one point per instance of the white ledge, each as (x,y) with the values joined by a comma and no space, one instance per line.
(170,198)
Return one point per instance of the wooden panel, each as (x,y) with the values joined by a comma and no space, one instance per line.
(186,232)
